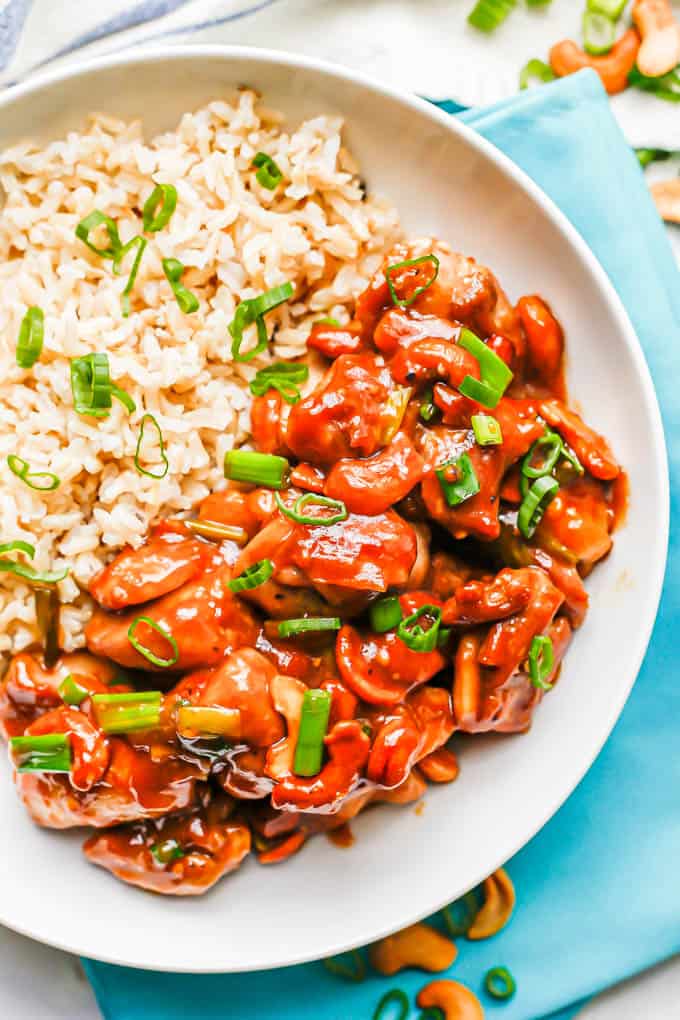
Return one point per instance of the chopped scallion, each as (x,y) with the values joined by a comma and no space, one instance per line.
(45,752)
(458,480)
(264,469)
(25,572)
(412,273)
(599,33)
(487,430)
(159,207)
(495,374)
(72,693)
(268,174)
(309,625)
(541,662)
(208,721)
(92,387)
(414,635)
(253,311)
(535,72)
(155,660)
(295,513)
(533,505)
(167,851)
(487,15)
(40,481)
(499,983)
(282,376)
(187,301)
(223,532)
(31,337)
(385,614)
(157,474)
(252,577)
(316,707)
(129,712)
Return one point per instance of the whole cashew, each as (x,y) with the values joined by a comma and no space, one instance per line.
(666,195)
(441,766)
(416,946)
(499,902)
(455,1000)
(566,58)
(660,50)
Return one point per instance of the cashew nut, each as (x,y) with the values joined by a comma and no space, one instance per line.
(666,195)
(455,1000)
(441,766)
(660,49)
(499,902)
(566,58)
(416,946)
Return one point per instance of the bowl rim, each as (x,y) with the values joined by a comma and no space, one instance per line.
(168,53)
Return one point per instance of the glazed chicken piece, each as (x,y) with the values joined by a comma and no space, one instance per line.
(179,855)
(577,524)
(374,484)
(409,732)
(590,447)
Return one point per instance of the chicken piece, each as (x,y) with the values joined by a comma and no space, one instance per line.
(29,688)
(409,732)
(544,340)
(348,748)
(165,562)
(485,601)
(590,447)
(401,327)
(567,578)
(577,521)
(132,787)
(347,415)
(373,485)
(447,574)
(332,341)
(380,668)
(179,855)
(242,774)
(204,618)
(268,423)
(247,510)
(243,682)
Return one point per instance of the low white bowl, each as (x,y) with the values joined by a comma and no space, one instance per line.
(445,181)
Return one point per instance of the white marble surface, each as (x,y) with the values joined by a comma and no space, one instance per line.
(40,983)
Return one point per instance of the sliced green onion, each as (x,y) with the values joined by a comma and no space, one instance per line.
(666,86)
(551,445)
(92,387)
(264,469)
(647,156)
(599,33)
(140,244)
(316,708)
(209,721)
(47,752)
(268,175)
(153,217)
(458,480)
(499,983)
(167,851)
(414,636)
(114,250)
(538,3)
(385,614)
(187,301)
(312,499)
(47,614)
(161,449)
(487,430)
(328,321)
(252,577)
(487,15)
(431,1013)
(41,481)
(534,504)
(541,662)
(495,374)
(283,377)
(253,311)
(459,915)
(25,572)
(309,625)
(410,264)
(129,712)
(223,532)
(71,693)
(611,8)
(535,72)
(31,337)
(395,997)
(146,652)
(353,970)
(18,545)
(571,458)
(428,409)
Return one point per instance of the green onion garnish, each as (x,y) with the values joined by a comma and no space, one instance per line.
(458,480)
(541,662)
(499,983)
(309,625)
(487,15)
(283,377)
(551,445)
(535,72)
(486,429)
(161,449)
(153,217)
(312,499)
(264,469)
(316,708)
(252,577)
(140,243)
(385,614)
(146,652)
(114,249)
(352,970)
(534,504)
(92,387)
(268,175)
(253,311)
(395,997)
(31,336)
(667,86)
(127,713)
(328,321)
(209,721)
(496,376)
(187,301)
(41,481)
(428,409)
(459,915)
(167,851)
(647,156)
(47,752)
(410,264)
(612,8)
(223,532)
(71,693)
(414,636)
(599,33)
(28,573)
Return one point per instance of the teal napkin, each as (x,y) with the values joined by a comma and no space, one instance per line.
(598,888)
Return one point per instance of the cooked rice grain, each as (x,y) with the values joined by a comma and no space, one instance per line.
(236,240)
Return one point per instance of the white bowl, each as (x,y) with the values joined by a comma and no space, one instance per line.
(446,181)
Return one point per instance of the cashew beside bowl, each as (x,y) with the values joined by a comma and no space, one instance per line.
(455,1000)
(499,902)
(416,946)
(656,23)
(613,68)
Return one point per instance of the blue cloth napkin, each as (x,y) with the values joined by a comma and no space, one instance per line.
(598,889)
